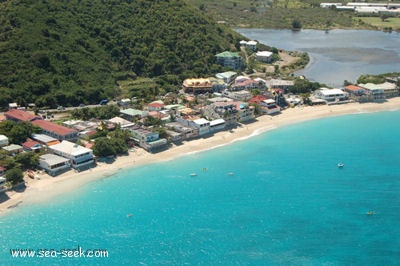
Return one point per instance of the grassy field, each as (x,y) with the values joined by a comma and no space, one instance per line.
(393,23)
(281,13)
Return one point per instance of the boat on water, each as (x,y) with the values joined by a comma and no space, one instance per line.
(193,174)
(370,213)
(340,165)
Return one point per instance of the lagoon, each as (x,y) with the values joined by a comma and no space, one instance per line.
(336,55)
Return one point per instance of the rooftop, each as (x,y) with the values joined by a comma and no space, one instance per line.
(20,115)
(52,127)
(70,148)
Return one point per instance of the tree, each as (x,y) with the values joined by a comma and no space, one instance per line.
(103,147)
(296,24)
(14,176)
(27,160)
(21,131)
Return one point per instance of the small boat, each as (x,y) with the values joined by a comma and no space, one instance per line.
(193,174)
(230,173)
(370,213)
(340,165)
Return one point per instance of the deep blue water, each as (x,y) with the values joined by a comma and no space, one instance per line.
(336,55)
(286,203)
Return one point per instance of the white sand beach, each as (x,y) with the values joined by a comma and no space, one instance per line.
(47,187)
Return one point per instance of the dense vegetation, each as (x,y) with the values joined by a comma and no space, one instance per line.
(68,52)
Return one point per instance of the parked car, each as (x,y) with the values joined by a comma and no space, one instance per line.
(103,102)
(60,108)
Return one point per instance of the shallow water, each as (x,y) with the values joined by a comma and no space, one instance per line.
(275,199)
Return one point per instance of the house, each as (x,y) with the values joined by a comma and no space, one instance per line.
(32,145)
(121,122)
(155,106)
(270,107)
(284,85)
(17,115)
(252,45)
(133,114)
(217,125)
(202,124)
(79,157)
(257,99)
(358,93)
(147,139)
(227,77)
(54,164)
(264,56)
(230,59)
(13,149)
(225,110)
(3,140)
(389,89)
(3,180)
(45,139)
(242,95)
(12,106)
(56,131)
(245,112)
(330,95)
(197,86)
(377,92)
(186,132)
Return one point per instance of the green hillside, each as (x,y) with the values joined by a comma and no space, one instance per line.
(67,52)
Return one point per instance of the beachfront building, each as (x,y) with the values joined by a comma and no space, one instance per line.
(3,140)
(358,93)
(270,107)
(230,59)
(56,131)
(80,158)
(54,164)
(202,124)
(245,112)
(197,86)
(3,180)
(217,125)
(330,95)
(377,92)
(225,110)
(185,131)
(148,140)
(389,89)
(264,56)
(17,115)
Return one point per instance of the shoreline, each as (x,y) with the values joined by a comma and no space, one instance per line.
(47,187)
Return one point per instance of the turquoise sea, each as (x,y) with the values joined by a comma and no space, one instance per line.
(278,198)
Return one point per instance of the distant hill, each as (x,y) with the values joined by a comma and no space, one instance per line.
(67,52)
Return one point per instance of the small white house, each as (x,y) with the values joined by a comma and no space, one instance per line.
(264,56)
(3,141)
(330,94)
(217,125)
(203,125)
(53,164)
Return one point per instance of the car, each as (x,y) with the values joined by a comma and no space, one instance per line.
(81,105)
(60,108)
(103,102)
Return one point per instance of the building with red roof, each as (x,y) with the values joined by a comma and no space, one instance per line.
(257,99)
(32,145)
(155,106)
(56,131)
(17,115)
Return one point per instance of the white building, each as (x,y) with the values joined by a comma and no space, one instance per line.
(217,125)
(79,156)
(330,94)
(3,141)
(264,56)
(53,164)
(203,125)
(270,107)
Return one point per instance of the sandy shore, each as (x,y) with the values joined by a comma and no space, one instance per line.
(47,187)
